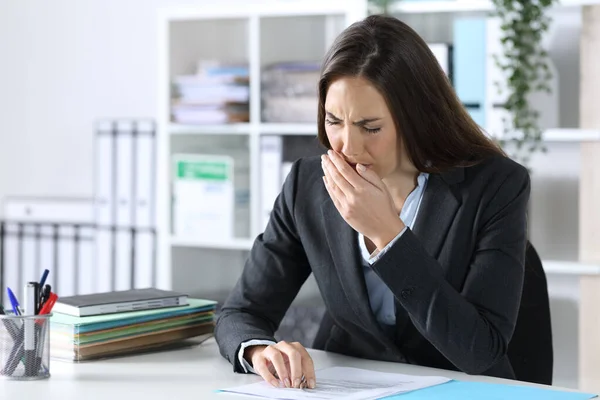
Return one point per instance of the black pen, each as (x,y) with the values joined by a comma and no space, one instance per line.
(44,296)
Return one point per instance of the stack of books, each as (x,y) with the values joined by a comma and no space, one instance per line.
(82,329)
(289,92)
(216,94)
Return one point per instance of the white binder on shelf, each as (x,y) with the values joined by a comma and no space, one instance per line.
(124,178)
(86,277)
(143,272)
(143,238)
(144,175)
(67,276)
(104,255)
(125,166)
(104,172)
(105,208)
(124,263)
(442,52)
(271,148)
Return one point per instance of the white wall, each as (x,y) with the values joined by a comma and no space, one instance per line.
(65,64)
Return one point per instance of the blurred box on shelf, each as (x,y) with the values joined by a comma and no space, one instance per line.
(236,147)
(203,196)
(290,92)
(218,93)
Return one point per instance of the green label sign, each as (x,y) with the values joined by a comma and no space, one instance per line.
(203,170)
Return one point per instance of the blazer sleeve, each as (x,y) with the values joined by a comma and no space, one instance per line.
(273,274)
(471,327)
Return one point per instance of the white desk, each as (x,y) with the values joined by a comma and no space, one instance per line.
(193,373)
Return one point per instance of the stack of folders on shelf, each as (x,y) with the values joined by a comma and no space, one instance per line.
(86,331)
(289,92)
(216,94)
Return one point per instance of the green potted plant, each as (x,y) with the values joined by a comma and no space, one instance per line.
(524,64)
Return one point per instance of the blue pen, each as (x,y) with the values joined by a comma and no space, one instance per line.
(13,301)
(44,276)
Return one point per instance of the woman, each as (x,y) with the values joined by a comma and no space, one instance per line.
(413,224)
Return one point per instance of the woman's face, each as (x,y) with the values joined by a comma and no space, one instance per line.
(360,126)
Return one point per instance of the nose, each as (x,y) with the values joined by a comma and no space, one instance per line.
(352,145)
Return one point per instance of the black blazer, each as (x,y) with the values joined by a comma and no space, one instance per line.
(457,277)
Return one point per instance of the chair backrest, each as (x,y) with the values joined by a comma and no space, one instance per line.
(530,350)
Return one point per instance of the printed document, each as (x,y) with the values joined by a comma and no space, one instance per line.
(346,383)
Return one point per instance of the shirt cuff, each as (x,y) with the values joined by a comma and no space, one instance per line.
(254,342)
(377,254)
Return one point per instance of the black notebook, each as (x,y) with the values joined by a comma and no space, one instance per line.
(120,301)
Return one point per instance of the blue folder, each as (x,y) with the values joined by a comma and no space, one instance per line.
(461,390)
(469,65)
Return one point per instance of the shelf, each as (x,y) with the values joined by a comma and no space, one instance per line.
(569,135)
(287,129)
(223,129)
(231,244)
(463,6)
(570,268)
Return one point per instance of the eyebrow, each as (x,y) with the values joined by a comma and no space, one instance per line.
(362,122)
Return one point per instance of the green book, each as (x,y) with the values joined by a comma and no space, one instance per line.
(107,321)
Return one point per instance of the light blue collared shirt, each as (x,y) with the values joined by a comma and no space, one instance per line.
(380,296)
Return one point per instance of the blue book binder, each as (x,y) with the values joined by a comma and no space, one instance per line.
(460,390)
(469,59)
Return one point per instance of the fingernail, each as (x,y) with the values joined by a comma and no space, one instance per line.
(322,157)
(311,383)
(330,152)
(287,383)
(275,383)
(297,383)
(361,167)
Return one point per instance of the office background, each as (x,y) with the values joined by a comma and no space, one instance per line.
(67,64)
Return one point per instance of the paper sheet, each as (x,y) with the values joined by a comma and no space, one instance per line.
(344,383)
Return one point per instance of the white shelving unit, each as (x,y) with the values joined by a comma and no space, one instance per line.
(259,34)
(464,6)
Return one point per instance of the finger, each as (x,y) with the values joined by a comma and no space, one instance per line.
(332,192)
(274,355)
(261,367)
(332,172)
(295,363)
(308,367)
(345,169)
(369,175)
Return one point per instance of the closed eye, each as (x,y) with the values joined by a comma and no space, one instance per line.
(330,122)
(371,130)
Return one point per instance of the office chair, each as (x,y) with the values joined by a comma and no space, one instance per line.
(530,349)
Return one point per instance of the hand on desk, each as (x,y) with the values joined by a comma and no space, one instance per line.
(289,361)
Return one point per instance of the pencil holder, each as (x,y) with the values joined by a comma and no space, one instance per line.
(25,347)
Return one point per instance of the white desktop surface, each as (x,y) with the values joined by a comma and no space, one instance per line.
(192,373)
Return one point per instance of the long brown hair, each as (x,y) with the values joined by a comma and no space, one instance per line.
(436,130)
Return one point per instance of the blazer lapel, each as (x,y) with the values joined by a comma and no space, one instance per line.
(343,244)
(437,210)
(342,240)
